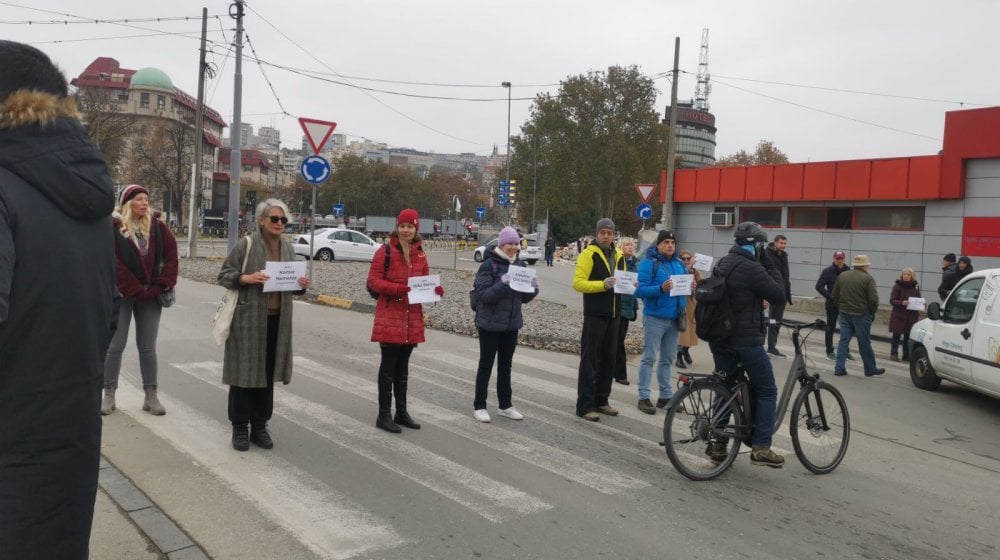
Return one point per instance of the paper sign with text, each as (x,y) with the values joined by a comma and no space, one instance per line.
(625,281)
(703,262)
(284,276)
(422,288)
(520,278)
(682,284)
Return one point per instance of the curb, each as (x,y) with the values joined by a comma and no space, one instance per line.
(154,525)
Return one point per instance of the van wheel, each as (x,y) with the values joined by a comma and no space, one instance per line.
(533,261)
(922,372)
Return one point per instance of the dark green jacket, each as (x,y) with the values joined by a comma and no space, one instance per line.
(855,293)
(630,305)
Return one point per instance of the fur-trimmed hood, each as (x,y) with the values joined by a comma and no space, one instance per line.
(43,144)
(24,107)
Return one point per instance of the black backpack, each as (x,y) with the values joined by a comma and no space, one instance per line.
(385,272)
(714,314)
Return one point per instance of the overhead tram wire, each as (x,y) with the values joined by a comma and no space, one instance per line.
(91,20)
(825,112)
(369,94)
(264,74)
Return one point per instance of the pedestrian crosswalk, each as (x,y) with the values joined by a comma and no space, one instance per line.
(552,445)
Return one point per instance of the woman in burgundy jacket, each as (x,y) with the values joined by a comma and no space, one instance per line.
(147,269)
(902,319)
(399,325)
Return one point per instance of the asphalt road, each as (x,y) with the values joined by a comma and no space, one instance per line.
(918,481)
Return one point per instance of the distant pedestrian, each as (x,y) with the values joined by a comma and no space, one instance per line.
(824,286)
(661,314)
(949,276)
(259,348)
(856,295)
(498,320)
(399,324)
(776,310)
(550,250)
(964,268)
(628,313)
(57,286)
(594,278)
(688,338)
(147,269)
(902,319)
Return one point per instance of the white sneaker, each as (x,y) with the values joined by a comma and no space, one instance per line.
(481,415)
(511,413)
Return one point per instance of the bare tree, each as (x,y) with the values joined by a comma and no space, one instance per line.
(161,160)
(105,122)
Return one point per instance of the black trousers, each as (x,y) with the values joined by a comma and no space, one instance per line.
(499,345)
(598,349)
(621,371)
(393,375)
(775,312)
(254,405)
(832,314)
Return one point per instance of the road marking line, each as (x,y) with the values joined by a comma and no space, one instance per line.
(325,521)
(492,499)
(529,450)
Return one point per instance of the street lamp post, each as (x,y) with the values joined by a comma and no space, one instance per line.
(507,85)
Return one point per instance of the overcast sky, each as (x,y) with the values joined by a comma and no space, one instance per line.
(880,74)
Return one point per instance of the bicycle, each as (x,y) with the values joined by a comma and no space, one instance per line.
(710,415)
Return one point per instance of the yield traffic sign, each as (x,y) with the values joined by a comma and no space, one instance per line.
(645,191)
(317,132)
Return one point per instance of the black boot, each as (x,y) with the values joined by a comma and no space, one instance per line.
(399,390)
(687,354)
(403,418)
(680,360)
(260,437)
(241,437)
(384,420)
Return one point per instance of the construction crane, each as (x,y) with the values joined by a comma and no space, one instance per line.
(703,88)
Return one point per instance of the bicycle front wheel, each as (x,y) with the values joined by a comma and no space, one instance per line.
(701,431)
(820,427)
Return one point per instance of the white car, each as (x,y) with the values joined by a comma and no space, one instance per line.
(529,254)
(960,340)
(340,244)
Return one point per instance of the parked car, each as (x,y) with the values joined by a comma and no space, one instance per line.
(960,340)
(529,254)
(336,244)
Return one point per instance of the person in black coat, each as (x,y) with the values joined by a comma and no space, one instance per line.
(949,276)
(57,293)
(751,278)
(824,286)
(498,319)
(776,309)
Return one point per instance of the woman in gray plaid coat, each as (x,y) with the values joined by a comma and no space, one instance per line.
(259,347)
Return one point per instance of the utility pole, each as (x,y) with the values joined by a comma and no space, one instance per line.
(668,205)
(199,140)
(235,156)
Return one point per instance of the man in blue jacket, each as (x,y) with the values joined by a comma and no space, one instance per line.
(660,312)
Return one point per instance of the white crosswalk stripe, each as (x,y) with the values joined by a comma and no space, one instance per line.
(544,456)
(327,522)
(489,498)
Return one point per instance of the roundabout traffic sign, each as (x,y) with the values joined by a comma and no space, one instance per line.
(315,169)
(644,211)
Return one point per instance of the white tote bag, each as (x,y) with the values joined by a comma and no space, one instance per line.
(224,314)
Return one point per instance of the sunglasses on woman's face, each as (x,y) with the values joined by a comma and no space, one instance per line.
(685,258)
(276,219)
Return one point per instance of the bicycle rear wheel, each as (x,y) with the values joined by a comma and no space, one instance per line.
(820,427)
(701,430)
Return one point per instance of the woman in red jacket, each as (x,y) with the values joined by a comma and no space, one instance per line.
(147,273)
(399,325)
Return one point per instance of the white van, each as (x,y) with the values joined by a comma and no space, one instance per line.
(960,339)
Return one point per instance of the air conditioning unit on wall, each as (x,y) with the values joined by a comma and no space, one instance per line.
(720,219)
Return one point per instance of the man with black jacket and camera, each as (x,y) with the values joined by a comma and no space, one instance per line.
(751,278)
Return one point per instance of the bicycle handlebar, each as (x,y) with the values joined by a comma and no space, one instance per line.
(818,323)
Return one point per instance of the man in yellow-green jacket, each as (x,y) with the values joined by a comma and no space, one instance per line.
(594,277)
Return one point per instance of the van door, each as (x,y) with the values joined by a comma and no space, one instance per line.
(986,345)
(953,334)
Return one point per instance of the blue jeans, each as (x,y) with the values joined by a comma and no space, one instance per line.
(659,335)
(859,326)
(765,392)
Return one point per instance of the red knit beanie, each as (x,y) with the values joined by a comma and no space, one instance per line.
(409,216)
(130,192)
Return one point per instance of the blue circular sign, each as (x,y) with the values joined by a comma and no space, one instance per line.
(644,211)
(315,169)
